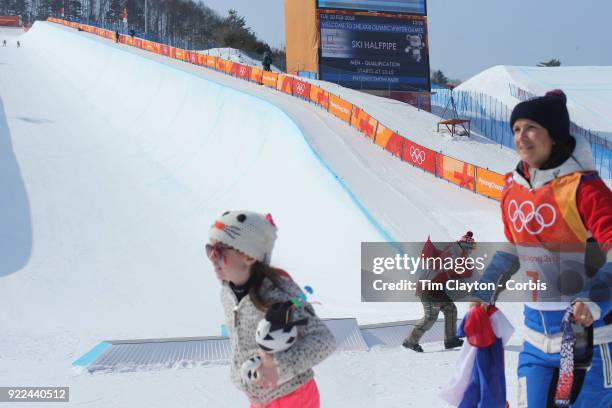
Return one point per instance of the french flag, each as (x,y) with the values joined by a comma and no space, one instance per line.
(479,379)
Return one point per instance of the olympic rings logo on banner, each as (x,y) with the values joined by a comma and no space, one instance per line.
(242,70)
(300,87)
(521,220)
(417,155)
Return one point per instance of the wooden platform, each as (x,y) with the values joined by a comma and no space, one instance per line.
(453,124)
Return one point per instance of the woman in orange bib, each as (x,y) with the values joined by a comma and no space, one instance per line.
(557,213)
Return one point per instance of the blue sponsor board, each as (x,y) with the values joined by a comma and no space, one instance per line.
(417,7)
(374,52)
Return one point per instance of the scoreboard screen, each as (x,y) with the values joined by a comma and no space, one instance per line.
(417,7)
(363,51)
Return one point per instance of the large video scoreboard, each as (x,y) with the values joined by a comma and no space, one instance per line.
(377,51)
(416,7)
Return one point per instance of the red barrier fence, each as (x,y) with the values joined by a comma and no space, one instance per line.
(10,21)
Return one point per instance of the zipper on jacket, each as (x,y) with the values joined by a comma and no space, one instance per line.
(236,306)
(236,315)
(543,322)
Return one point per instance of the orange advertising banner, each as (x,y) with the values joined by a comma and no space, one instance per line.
(301,89)
(383,135)
(285,84)
(235,70)
(456,171)
(364,122)
(319,96)
(172,52)
(340,108)
(179,53)
(389,140)
(395,145)
(211,61)
(269,79)
(256,74)
(229,65)
(201,59)
(148,45)
(489,183)
(279,83)
(244,71)
(419,156)
(220,64)
(157,48)
(192,57)
(164,49)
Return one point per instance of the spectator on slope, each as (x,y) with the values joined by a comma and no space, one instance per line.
(267,61)
(554,206)
(436,301)
(240,248)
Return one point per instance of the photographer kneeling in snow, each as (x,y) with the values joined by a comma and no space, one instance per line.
(435,300)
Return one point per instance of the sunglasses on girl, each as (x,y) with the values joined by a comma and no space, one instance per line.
(216,250)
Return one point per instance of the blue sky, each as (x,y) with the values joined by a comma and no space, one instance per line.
(468,36)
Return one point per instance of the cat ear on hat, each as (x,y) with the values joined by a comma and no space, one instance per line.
(270,219)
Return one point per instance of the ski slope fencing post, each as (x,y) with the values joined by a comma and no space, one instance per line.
(455,171)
